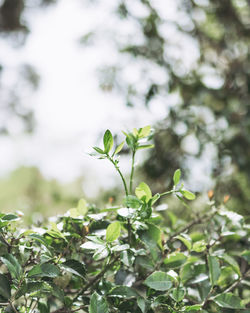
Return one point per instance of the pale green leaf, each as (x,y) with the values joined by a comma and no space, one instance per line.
(113,231)
(143,192)
(159,281)
(177,176)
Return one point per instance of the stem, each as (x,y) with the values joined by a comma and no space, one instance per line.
(166,193)
(132,172)
(96,278)
(118,170)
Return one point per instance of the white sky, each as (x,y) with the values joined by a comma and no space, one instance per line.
(70,109)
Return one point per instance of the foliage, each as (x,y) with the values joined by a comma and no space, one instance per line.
(192,57)
(122,259)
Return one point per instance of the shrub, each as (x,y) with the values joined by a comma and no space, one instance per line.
(124,259)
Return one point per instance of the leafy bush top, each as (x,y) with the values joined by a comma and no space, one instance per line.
(125,258)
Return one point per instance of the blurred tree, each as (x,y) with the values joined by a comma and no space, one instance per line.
(27,190)
(14,111)
(193,56)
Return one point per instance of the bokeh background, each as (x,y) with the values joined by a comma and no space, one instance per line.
(71,69)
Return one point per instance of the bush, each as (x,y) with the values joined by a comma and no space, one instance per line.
(124,259)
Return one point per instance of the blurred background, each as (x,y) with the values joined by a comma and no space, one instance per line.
(71,69)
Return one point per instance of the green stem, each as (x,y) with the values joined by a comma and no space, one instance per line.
(132,172)
(166,193)
(118,170)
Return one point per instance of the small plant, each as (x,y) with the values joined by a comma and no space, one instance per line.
(125,258)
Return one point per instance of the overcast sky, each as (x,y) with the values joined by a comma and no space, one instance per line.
(70,109)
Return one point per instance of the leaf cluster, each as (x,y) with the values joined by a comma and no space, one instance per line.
(125,259)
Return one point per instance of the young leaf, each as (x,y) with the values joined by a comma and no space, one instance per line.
(199,246)
(159,281)
(143,192)
(188,194)
(99,150)
(145,147)
(119,148)
(113,231)
(177,176)
(184,238)
(108,141)
(214,269)
(228,300)
(98,304)
(144,132)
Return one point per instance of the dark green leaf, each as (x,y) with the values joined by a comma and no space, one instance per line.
(123,292)
(13,265)
(98,304)
(5,289)
(75,267)
(44,270)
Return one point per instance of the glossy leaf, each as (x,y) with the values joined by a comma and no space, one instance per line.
(108,141)
(143,192)
(98,304)
(228,300)
(159,281)
(214,269)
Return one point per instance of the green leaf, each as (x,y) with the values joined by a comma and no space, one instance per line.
(246,255)
(187,194)
(175,260)
(108,141)
(44,270)
(231,261)
(75,267)
(214,269)
(119,148)
(145,131)
(228,300)
(98,304)
(178,294)
(195,307)
(10,217)
(141,302)
(123,292)
(143,192)
(13,265)
(113,231)
(184,238)
(99,150)
(177,176)
(5,289)
(145,147)
(159,281)
(132,202)
(199,246)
